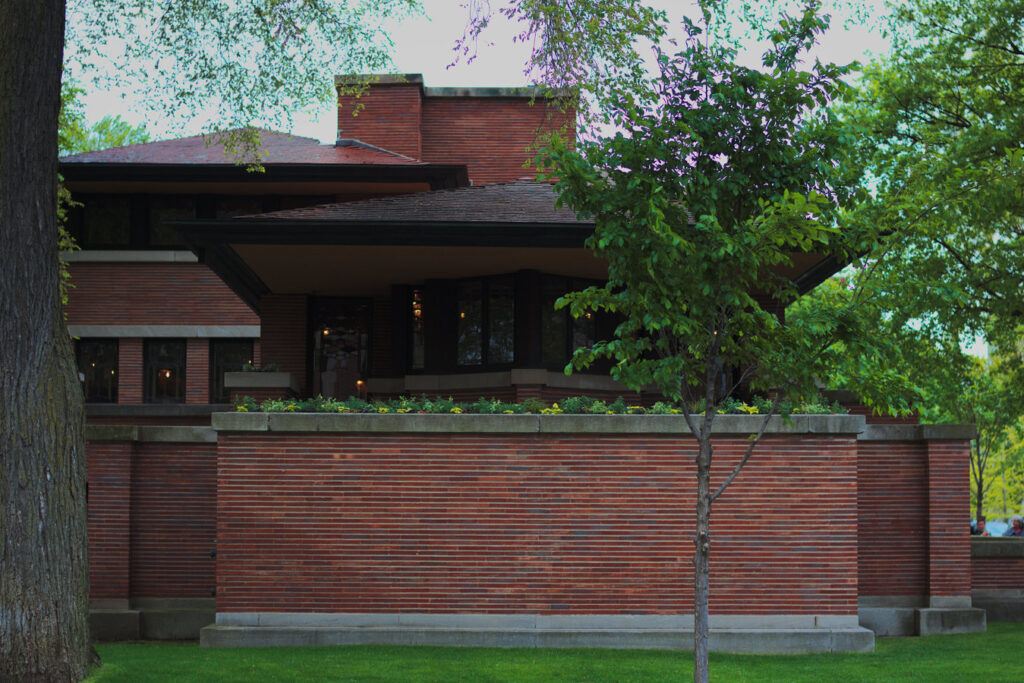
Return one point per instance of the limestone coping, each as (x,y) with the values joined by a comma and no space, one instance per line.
(260,380)
(925,432)
(528,424)
(982,546)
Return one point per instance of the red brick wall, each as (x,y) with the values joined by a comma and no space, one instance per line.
(492,136)
(129,371)
(892,511)
(528,523)
(152,294)
(109,515)
(173,524)
(390,118)
(283,334)
(197,371)
(949,505)
(997,573)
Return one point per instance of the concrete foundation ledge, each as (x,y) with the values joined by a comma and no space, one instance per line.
(152,619)
(889,621)
(787,635)
(936,620)
(1000,605)
(749,641)
(921,621)
(106,625)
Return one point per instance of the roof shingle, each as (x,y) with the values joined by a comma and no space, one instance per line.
(522,201)
(280,148)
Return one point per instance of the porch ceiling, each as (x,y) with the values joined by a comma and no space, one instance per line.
(363,270)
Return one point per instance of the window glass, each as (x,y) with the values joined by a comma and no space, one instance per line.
(554,346)
(97,368)
(106,221)
(469,347)
(500,320)
(417,346)
(341,345)
(164,380)
(162,209)
(227,356)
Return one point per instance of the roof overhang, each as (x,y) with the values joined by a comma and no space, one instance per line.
(298,178)
(257,257)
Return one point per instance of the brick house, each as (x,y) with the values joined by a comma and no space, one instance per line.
(416,256)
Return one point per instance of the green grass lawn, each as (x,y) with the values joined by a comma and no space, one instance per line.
(997,655)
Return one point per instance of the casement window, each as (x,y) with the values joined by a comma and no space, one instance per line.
(227,355)
(562,334)
(164,370)
(97,368)
(493,323)
(486,322)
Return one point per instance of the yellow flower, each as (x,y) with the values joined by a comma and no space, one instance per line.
(509,412)
(383,409)
(457,410)
(242,409)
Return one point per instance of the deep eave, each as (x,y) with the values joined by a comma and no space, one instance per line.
(438,176)
(212,240)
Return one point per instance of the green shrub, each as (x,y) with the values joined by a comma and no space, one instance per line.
(572,405)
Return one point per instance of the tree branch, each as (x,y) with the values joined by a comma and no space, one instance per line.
(750,449)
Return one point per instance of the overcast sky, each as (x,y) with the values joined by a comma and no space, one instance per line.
(424,45)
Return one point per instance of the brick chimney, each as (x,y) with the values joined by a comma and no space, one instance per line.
(388,114)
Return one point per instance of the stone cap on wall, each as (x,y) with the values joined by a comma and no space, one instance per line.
(528,424)
(261,380)
(919,432)
(997,547)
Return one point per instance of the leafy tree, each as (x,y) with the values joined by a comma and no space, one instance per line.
(700,202)
(942,126)
(910,364)
(577,46)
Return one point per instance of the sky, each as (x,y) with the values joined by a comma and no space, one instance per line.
(424,45)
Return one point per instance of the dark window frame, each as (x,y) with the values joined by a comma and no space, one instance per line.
(83,373)
(150,381)
(217,371)
(486,283)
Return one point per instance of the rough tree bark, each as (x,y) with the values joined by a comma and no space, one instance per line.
(43,547)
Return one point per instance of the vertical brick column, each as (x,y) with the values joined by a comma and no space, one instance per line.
(257,353)
(283,334)
(129,371)
(197,371)
(109,520)
(949,543)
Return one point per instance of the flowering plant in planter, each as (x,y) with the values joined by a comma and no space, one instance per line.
(572,405)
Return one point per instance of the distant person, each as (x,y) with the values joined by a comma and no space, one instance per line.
(1016,527)
(980,529)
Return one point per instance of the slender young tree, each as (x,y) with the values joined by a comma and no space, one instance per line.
(700,202)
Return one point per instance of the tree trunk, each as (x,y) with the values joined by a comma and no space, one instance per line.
(701,568)
(43,547)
